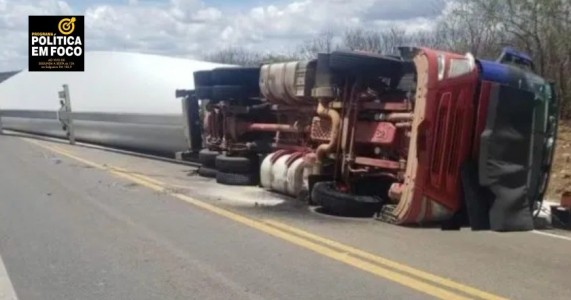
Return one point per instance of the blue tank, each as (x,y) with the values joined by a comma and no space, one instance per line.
(512,68)
(511,75)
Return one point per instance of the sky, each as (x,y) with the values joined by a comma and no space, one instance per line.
(191,28)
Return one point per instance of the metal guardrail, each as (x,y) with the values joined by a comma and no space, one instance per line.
(29,114)
(155,133)
(66,116)
(131,118)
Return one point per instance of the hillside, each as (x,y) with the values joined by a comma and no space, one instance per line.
(561,175)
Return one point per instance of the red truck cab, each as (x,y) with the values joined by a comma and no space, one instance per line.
(441,136)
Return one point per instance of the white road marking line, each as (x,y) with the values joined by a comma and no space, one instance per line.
(557,236)
(7,291)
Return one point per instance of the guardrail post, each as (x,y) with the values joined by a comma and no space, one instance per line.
(65,115)
(191,124)
(186,121)
(1,128)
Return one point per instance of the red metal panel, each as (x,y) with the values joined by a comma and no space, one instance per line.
(381,133)
(448,125)
(566,199)
(456,132)
(461,140)
(440,139)
(366,132)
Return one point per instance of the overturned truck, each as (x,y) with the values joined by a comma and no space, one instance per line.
(418,137)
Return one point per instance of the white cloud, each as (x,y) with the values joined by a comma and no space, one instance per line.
(209,14)
(14,24)
(409,25)
(191,28)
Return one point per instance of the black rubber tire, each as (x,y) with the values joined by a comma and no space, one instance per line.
(203,92)
(207,158)
(207,172)
(237,179)
(244,76)
(237,164)
(228,92)
(342,204)
(357,62)
(202,78)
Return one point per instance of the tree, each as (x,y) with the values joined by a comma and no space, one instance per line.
(234,55)
(245,57)
(539,27)
(322,43)
(362,40)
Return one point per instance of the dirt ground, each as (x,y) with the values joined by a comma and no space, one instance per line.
(561,174)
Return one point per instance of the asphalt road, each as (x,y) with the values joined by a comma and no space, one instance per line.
(83,223)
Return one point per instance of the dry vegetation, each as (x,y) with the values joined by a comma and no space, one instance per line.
(561,175)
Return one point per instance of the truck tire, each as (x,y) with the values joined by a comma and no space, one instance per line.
(236,164)
(365,62)
(203,92)
(236,179)
(244,76)
(207,172)
(207,158)
(202,78)
(343,204)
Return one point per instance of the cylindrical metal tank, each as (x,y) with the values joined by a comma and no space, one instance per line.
(124,100)
(279,174)
(288,83)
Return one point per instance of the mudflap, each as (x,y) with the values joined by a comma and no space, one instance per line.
(193,124)
(505,158)
(477,200)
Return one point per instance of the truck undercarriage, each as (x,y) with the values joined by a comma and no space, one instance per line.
(355,133)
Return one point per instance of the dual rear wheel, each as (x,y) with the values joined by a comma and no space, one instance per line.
(229,170)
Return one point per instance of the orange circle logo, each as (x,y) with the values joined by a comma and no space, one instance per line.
(66,26)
